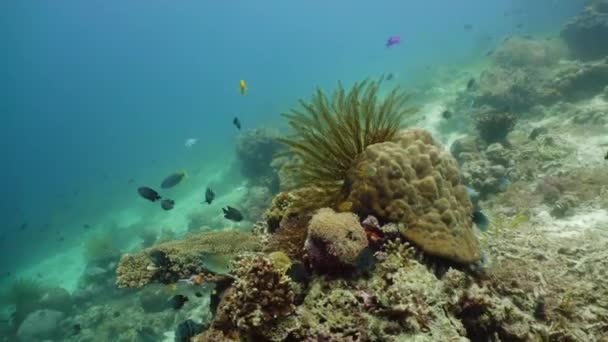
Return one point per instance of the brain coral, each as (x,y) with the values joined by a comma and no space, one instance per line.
(337,237)
(414,181)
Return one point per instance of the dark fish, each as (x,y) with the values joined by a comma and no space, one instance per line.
(468,27)
(167,204)
(481,220)
(297,272)
(173,179)
(237,123)
(116,314)
(148,194)
(86,226)
(606,156)
(232,214)
(177,302)
(188,329)
(519,26)
(23,226)
(198,294)
(446,114)
(471,84)
(389,76)
(76,329)
(536,132)
(366,261)
(209,195)
(61,239)
(489,53)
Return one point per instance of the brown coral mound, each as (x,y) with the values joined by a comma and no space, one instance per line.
(339,235)
(290,236)
(416,182)
(261,297)
(173,260)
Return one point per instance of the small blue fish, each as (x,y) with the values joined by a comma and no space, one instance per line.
(481,220)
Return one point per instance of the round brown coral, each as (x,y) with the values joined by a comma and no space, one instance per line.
(414,181)
(335,237)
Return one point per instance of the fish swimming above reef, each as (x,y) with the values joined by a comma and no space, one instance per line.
(468,27)
(243,87)
(167,204)
(446,114)
(148,193)
(173,179)
(209,195)
(177,302)
(393,40)
(237,123)
(232,214)
(606,156)
(481,220)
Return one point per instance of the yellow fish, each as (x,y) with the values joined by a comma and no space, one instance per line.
(243,86)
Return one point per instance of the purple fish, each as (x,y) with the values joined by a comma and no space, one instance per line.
(393,40)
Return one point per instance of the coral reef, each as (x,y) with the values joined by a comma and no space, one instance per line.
(260,300)
(40,325)
(329,133)
(587,34)
(290,236)
(334,240)
(256,202)
(524,52)
(416,182)
(255,150)
(493,125)
(575,81)
(517,89)
(167,262)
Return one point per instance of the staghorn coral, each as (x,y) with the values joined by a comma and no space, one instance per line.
(414,181)
(331,132)
(173,260)
(260,300)
(493,126)
(334,240)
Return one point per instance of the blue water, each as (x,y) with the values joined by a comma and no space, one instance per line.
(95,93)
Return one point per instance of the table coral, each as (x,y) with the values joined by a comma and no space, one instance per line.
(181,258)
(414,181)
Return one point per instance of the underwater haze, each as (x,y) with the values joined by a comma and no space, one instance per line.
(100,98)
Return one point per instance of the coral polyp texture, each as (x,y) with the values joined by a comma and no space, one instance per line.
(415,181)
(334,239)
(259,301)
(173,260)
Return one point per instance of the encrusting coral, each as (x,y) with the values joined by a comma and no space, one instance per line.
(414,181)
(169,261)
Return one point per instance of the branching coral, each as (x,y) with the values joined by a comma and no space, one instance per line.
(331,132)
(261,298)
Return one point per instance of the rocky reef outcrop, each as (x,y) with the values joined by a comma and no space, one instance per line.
(587,34)
(255,150)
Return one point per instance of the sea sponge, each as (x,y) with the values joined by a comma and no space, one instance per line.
(169,261)
(414,181)
(334,238)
